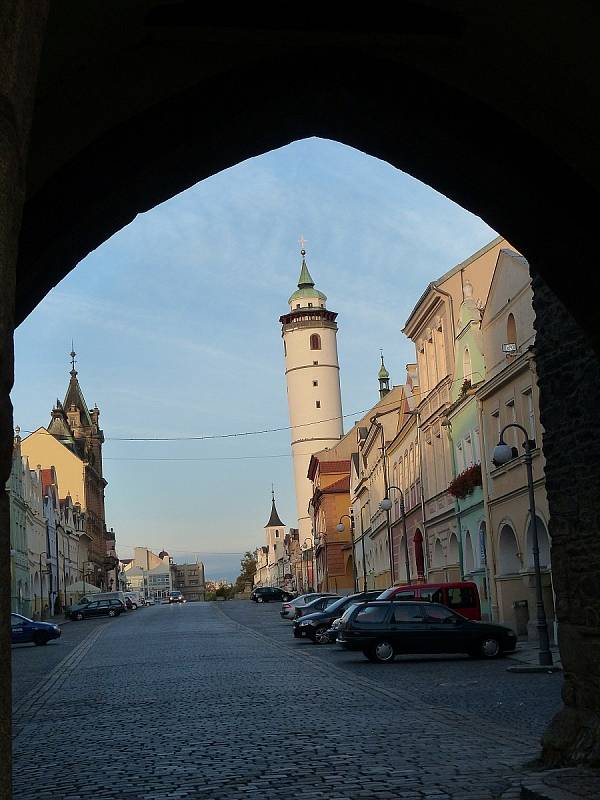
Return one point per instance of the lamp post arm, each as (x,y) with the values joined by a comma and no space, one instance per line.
(523,430)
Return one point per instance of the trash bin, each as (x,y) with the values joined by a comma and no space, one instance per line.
(521,611)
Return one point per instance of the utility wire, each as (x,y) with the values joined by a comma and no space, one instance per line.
(246,433)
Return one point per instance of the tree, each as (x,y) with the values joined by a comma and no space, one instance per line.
(248,568)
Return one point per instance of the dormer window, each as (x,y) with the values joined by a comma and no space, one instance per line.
(310,305)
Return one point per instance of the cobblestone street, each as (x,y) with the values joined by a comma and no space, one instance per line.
(219,701)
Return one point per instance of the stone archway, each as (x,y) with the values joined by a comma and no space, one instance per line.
(81,161)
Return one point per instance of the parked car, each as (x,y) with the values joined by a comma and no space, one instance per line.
(176,597)
(460,596)
(319,604)
(149,601)
(23,629)
(98,596)
(270,594)
(382,629)
(289,608)
(97,608)
(136,600)
(316,626)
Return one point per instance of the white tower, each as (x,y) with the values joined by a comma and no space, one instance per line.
(313,384)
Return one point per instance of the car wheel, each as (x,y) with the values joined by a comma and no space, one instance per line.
(383,652)
(39,639)
(134,606)
(260,600)
(490,647)
(111,612)
(79,615)
(320,635)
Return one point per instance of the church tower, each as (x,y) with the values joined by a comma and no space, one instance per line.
(313,384)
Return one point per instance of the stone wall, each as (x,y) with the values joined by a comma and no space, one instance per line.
(569,381)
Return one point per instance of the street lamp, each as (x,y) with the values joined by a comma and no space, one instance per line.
(386,505)
(305,548)
(503,453)
(340,528)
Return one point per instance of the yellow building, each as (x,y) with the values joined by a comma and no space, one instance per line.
(433,326)
(510,395)
(72,444)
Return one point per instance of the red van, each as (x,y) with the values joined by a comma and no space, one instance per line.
(461,596)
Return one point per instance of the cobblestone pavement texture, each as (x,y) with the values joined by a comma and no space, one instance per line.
(219,701)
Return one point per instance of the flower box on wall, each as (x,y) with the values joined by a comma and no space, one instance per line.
(466,482)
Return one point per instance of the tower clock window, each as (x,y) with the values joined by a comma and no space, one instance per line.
(315,341)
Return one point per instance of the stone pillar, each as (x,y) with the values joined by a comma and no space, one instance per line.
(21,33)
(569,381)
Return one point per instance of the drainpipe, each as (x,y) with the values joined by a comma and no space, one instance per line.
(489,551)
(422,492)
(448,426)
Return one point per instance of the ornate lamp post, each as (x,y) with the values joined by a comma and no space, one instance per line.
(503,453)
(305,549)
(386,505)
(340,527)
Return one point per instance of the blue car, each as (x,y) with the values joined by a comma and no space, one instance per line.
(24,630)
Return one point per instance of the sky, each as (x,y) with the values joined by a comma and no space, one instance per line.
(175,324)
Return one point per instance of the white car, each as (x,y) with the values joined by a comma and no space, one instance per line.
(149,601)
(289,608)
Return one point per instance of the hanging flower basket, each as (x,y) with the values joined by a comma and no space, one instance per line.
(466,482)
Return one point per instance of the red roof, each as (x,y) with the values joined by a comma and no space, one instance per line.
(343,485)
(327,467)
(47,478)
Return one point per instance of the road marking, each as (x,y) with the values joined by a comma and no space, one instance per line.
(33,702)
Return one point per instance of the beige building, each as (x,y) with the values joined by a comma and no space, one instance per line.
(404,471)
(433,326)
(510,395)
(368,486)
(148,573)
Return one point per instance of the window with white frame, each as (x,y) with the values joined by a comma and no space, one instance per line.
(529,412)
(460,457)
(468,450)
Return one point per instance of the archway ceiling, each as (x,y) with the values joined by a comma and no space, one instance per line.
(140,99)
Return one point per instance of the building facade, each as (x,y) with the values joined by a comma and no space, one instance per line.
(72,444)
(189,580)
(433,326)
(510,395)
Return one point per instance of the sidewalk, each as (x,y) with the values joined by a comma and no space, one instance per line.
(527,653)
(573,783)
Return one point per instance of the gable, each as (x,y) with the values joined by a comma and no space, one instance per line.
(511,276)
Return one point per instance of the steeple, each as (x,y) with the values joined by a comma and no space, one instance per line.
(306,288)
(384,379)
(274,521)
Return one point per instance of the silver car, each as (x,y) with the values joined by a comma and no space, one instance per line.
(290,609)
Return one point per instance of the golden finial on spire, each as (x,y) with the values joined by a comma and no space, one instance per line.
(302,243)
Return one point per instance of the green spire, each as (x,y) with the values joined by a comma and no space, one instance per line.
(305,280)
(306,286)
(383,373)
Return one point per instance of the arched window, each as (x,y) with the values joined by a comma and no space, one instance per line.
(284,348)
(467,369)
(511,330)
(543,544)
(509,560)
(452,549)
(315,341)
(469,561)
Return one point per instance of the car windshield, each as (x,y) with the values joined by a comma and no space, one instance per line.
(341,603)
(387,593)
(348,612)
